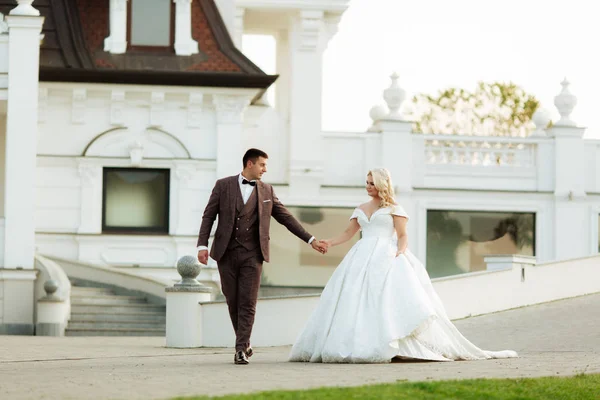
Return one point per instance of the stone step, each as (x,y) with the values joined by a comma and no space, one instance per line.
(114,332)
(80,290)
(125,324)
(106,299)
(157,317)
(117,308)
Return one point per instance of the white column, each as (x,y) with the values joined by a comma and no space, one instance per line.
(116,42)
(21,135)
(184,44)
(230,150)
(571,224)
(307,42)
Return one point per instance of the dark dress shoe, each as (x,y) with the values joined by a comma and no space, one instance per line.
(240,358)
(249,352)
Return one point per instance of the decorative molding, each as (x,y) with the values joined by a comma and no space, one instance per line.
(194,117)
(26,274)
(310,30)
(3,24)
(230,109)
(78,106)
(136,153)
(565,102)
(117,106)
(157,106)
(121,143)
(88,173)
(42,104)
(332,23)
(184,174)
(25,9)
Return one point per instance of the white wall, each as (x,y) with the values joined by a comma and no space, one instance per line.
(280,320)
(2,162)
(84,128)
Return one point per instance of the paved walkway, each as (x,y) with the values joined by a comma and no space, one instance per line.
(559,338)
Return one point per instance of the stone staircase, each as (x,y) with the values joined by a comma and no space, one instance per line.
(99,311)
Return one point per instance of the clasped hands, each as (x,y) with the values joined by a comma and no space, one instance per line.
(320,245)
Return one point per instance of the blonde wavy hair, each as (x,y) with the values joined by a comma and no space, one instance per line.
(383,183)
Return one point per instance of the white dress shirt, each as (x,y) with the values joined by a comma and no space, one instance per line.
(246,191)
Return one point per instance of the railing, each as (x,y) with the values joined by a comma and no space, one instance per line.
(480,151)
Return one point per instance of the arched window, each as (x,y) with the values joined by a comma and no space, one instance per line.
(151,24)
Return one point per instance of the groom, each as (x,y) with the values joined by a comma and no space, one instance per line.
(245,205)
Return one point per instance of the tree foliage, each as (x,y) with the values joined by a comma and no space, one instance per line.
(493,109)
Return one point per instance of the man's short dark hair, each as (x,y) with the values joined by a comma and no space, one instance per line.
(253,155)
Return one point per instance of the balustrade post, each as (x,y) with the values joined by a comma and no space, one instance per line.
(52,312)
(184,319)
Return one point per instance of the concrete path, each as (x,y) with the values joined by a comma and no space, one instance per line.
(553,339)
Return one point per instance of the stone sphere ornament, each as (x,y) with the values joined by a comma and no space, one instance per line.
(189,268)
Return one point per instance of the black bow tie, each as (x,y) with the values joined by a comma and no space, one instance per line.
(246,182)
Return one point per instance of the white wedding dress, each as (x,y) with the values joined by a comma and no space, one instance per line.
(377,306)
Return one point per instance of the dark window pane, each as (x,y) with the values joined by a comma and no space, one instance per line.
(136,199)
(150,23)
(294,262)
(457,241)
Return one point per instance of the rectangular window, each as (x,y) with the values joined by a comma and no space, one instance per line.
(135,200)
(150,24)
(457,241)
(294,263)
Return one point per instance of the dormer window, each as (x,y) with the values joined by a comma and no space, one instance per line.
(151,25)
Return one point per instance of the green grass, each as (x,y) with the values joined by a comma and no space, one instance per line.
(580,387)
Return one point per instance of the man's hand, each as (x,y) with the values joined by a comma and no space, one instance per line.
(320,246)
(203,256)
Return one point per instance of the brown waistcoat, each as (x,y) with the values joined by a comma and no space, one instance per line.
(245,231)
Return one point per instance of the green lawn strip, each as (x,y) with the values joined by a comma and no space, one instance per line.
(580,387)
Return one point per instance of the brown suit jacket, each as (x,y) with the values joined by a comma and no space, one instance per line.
(222,202)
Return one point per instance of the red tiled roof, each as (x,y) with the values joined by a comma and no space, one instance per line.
(73,50)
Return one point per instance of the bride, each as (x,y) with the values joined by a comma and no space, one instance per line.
(379,304)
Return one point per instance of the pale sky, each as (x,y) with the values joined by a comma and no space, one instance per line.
(436,44)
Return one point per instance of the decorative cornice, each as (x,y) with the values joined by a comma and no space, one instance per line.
(195,110)
(78,106)
(117,106)
(157,106)
(230,109)
(310,30)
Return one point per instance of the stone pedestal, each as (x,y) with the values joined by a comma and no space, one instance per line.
(52,312)
(16,301)
(184,316)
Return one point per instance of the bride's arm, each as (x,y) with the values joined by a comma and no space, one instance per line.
(400,226)
(350,231)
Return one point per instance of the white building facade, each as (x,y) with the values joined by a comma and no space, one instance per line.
(109,152)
